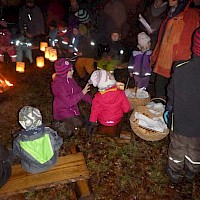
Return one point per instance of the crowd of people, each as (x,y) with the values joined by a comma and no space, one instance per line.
(175,36)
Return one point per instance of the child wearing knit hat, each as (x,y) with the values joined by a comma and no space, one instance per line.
(67,94)
(183,100)
(139,62)
(109,103)
(36,145)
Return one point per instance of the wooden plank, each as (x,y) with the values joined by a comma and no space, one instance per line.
(82,186)
(69,168)
(84,190)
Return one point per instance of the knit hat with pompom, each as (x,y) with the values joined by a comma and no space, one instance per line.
(62,66)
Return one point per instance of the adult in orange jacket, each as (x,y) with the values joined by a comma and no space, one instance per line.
(174,41)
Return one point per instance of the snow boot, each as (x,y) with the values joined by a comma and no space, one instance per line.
(175,177)
(190,176)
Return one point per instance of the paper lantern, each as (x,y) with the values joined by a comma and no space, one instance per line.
(53,55)
(43,45)
(20,67)
(47,49)
(40,61)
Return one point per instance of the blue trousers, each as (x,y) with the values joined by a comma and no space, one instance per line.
(21,50)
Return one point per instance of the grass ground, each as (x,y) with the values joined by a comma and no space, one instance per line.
(118,171)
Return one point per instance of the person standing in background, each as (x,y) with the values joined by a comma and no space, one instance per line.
(174,41)
(154,15)
(31,15)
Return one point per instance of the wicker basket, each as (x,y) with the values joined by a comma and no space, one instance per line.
(144,133)
(135,102)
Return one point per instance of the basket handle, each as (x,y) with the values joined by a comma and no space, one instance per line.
(127,82)
(158,98)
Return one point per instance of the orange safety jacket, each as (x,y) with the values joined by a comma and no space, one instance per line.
(174,43)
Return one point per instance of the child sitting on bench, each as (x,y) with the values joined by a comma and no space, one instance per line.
(37,146)
(109,103)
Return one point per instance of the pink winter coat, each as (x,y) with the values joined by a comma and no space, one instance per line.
(67,94)
(109,106)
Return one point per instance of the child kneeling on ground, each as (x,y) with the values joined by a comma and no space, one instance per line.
(109,103)
(36,145)
(67,94)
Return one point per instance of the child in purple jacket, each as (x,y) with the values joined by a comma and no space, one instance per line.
(67,94)
(139,63)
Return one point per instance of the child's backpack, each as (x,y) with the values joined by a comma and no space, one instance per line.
(5,165)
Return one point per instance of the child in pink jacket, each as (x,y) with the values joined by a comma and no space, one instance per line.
(109,103)
(67,94)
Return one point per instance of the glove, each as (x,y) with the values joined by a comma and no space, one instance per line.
(166,116)
(90,128)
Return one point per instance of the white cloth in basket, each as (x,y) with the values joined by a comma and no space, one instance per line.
(156,123)
(140,94)
(155,108)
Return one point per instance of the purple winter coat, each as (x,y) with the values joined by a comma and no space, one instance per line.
(67,94)
(139,63)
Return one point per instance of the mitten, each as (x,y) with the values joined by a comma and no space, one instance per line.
(166,116)
(90,128)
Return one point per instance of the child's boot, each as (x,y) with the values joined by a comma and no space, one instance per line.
(190,176)
(175,177)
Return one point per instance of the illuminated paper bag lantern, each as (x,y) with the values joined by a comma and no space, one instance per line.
(20,67)
(43,45)
(53,55)
(47,49)
(40,61)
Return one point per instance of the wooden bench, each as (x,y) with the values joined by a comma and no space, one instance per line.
(70,168)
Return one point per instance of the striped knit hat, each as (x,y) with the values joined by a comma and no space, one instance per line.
(62,66)
(83,16)
(196,42)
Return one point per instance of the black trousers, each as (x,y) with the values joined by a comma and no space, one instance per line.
(161,83)
(184,153)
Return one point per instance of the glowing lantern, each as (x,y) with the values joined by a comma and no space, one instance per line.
(40,61)
(47,49)
(20,67)
(53,55)
(43,45)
